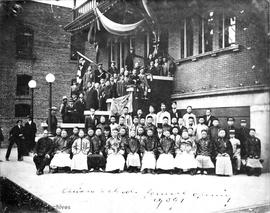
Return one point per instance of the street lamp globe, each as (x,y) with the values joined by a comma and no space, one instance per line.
(50,78)
(32,84)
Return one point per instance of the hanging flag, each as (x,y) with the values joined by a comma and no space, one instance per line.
(116,28)
(118,104)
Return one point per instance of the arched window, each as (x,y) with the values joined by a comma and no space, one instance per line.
(22,84)
(22,110)
(24,42)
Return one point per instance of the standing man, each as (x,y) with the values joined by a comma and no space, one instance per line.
(91,120)
(42,152)
(30,130)
(230,126)
(63,109)
(174,112)
(87,77)
(208,118)
(112,69)
(16,136)
(163,113)
(129,60)
(100,73)
(188,115)
(80,106)
(91,97)
(243,137)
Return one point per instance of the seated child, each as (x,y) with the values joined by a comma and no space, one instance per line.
(148,149)
(165,161)
(115,151)
(223,153)
(204,151)
(133,161)
(80,150)
(253,164)
(185,155)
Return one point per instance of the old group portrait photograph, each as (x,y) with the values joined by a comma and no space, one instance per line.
(117,106)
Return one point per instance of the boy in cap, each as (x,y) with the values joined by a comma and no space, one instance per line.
(253,165)
(236,146)
(230,125)
(200,126)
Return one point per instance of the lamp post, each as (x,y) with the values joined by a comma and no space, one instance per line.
(32,85)
(50,78)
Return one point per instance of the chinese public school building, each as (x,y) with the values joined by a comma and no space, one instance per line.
(220,50)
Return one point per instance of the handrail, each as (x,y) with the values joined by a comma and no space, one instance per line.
(84,8)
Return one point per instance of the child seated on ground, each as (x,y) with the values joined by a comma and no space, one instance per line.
(204,151)
(133,161)
(165,161)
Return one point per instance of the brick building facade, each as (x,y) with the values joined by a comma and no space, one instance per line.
(32,45)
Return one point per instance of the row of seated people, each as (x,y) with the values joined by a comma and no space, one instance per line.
(149,150)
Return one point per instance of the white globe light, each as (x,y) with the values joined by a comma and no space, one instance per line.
(32,84)
(50,78)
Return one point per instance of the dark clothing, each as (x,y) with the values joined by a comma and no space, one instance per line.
(100,74)
(114,91)
(208,121)
(166,127)
(61,144)
(44,146)
(16,136)
(91,99)
(121,88)
(1,136)
(53,124)
(129,61)
(204,147)
(243,137)
(166,145)
(222,146)
(71,140)
(213,133)
(112,70)
(90,122)
(96,159)
(253,147)
(30,134)
(132,145)
(71,114)
(63,111)
(150,144)
(175,114)
(181,130)
(79,106)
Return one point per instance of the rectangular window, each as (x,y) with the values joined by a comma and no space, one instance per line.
(22,84)
(24,42)
(186,38)
(227,29)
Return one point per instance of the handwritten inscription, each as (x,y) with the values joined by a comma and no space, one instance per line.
(159,199)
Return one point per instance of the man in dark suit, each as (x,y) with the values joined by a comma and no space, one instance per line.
(80,106)
(174,112)
(100,73)
(43,152)
(91,120)
(16,136)
(30,130)
(92,98)
(208,118)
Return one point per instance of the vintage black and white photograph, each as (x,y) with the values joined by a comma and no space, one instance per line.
(134,106)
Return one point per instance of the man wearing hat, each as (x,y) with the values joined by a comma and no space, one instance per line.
(79,106)
(30,130)
(236,147)
(63,109)
(230,126)
(71,112)
(243,137)
(16,136)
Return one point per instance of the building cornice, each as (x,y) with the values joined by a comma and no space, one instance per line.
(218,92)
